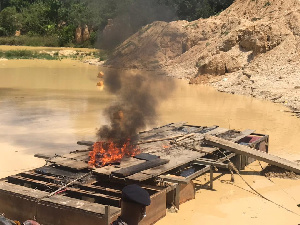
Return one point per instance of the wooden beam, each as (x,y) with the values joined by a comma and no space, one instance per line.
(211,169)
(210,162)
(206,168)
(251,152)
(127,171)
(87,143)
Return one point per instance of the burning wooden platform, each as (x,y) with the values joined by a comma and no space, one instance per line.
(67,190)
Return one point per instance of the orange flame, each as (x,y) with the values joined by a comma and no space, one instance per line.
(105,153)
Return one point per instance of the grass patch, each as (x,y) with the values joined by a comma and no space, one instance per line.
(29,54)
(48,41)
(26,54)
(41,41)
(102,55)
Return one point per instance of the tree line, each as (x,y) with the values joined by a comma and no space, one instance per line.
(60,18)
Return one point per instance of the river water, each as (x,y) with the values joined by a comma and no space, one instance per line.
(47,106)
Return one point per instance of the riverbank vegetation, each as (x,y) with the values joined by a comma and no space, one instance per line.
(53,55)
(80,23)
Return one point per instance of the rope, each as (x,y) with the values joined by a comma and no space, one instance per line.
(231,165)
(274,183)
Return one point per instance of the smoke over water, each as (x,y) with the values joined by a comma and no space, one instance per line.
(138,97)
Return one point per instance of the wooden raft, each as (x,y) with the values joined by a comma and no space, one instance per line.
(170,147)
(177,143)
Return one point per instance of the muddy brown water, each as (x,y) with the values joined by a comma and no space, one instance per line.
(47,106)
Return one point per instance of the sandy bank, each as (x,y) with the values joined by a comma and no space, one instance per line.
(230,204)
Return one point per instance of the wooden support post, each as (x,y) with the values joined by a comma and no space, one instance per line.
(177,197)
(107,214)
(232,178)
(211,169)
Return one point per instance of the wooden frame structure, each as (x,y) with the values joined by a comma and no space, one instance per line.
(173,155)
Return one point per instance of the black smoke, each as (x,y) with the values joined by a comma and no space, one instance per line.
(138,95)
(131,19)
(138,98)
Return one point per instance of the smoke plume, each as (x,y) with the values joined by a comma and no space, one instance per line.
(132,18)
(138,97)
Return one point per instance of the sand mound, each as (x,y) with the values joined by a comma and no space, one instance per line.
(254,43)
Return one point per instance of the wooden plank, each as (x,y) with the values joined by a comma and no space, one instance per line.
(125,162)
(43,156)
(127,171)
(86,143)
(164,128)
(69,163)
(55,171)
(76,155)
(89,187)
(251,152)
(58,200)
(178,158)
(69,190)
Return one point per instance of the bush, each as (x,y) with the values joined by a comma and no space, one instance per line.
(66,35)
(9,21)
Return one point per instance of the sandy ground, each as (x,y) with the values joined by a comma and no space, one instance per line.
(232,203)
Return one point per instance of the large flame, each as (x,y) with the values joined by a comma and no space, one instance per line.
(105,153)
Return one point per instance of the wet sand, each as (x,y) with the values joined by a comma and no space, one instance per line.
(47,106)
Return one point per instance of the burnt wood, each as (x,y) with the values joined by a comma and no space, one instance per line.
(146,156)
(87,143)
(139,167)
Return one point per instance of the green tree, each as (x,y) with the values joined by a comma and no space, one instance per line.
(9,21)
(195,9)
(35,19)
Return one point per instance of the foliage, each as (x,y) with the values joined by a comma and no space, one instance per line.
(195,9)
(9,21)
(60,18)
(66,35)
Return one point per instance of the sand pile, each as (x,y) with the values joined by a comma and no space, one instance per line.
(253,44)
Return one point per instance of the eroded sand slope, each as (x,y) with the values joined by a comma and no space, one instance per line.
(253,43)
